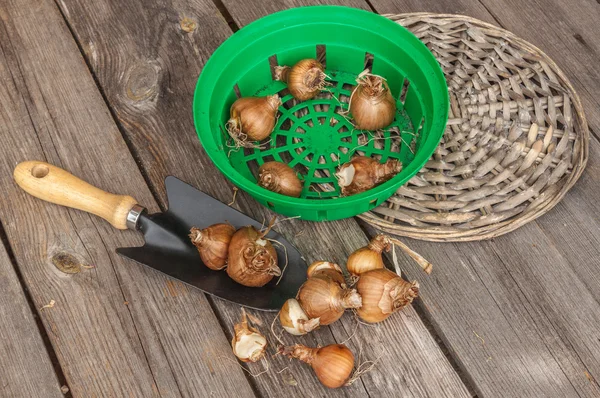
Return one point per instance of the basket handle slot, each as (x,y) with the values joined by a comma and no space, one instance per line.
(322,54)
(369,61)
(236,90)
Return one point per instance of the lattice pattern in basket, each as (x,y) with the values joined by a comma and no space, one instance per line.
(316,136)
(516,140)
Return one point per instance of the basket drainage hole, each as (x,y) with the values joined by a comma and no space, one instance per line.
(40,171)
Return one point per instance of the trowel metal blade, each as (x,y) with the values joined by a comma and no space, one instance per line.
(168,249)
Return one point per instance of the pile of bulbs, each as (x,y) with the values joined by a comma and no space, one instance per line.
(250,258)
(372,106)
(322,300)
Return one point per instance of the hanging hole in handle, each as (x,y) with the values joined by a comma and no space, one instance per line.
(40,171)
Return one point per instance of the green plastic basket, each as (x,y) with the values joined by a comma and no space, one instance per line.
(312,136)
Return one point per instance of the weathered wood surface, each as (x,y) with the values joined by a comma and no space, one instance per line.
(472,8)
(568,31)
(519,336)
(26,369)
(244,12)
(519,314)
(565,30)
(529,295)
(117,328)
(157,121)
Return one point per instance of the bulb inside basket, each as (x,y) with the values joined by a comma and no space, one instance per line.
(315,137)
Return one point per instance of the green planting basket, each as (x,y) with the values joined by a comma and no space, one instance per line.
(316,136)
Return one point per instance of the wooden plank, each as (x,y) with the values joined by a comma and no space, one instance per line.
(514,301)
(159,126)
(565,30)
(472,8)
(573,227)
(568,31)
(244,12)
(536,334)
(492,310)
(118,329)
(26,369)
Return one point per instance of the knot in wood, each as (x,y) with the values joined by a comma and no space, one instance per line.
(66,263)
(142,82)
(187,25)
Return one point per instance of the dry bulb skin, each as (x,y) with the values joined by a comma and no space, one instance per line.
(383,292)
(294,320)
(320,265)
(213,244)
(280,178)
(362,173)
(330,273)
(423,263)
(252,259)
(325,296)
(332,364)
(248,344)
(252,119)
(305,79)
(371,103)
(368,257)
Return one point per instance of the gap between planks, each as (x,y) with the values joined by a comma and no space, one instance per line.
(429,321)
(62,380)
(226,15)
(422,313)
(135,154)
(153,190)
(234,27)
(132,150)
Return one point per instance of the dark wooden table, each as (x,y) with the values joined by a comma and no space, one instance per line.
(104,88)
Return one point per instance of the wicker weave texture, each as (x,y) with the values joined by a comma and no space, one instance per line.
(516,141)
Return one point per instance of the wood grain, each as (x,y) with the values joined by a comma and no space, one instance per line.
(244,12)
(520,315)
(26,369)
(568,32)
(159,127)
(501,333)
(569,35)
(472,8)
(118,329)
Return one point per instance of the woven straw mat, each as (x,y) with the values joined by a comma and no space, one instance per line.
(516,140)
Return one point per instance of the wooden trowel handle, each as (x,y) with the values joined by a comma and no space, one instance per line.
(55,185)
